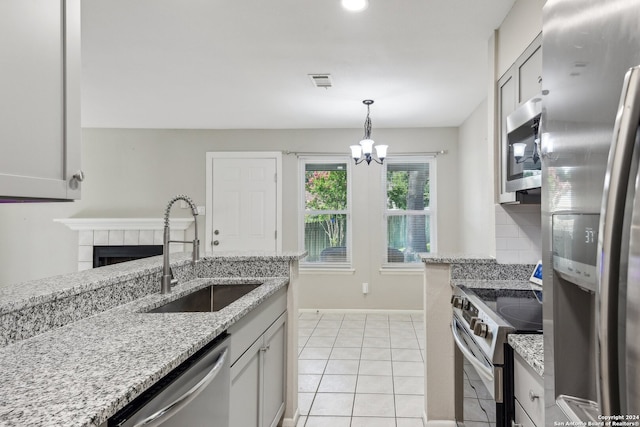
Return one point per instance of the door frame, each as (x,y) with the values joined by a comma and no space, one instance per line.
(210,156)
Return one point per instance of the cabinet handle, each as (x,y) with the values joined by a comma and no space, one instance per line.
(533,396)
(265,348)
(78,176)
(515,424)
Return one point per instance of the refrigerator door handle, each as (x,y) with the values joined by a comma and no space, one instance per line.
(612,215)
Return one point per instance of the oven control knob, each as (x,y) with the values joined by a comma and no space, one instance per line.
(473,321)
(466,304)
(457,302)
(481,329)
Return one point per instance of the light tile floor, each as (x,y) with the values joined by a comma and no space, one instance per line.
(367,370)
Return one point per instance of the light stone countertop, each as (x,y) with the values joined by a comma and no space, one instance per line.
(83,373)
(444,258)
(531,348)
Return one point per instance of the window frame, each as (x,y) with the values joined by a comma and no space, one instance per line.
(302,211)
(430,212)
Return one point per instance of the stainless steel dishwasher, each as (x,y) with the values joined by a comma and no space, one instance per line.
(195,394)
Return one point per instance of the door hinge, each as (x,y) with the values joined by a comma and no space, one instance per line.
(275,177)
(276,235)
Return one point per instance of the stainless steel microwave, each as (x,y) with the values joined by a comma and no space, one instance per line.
(523,169)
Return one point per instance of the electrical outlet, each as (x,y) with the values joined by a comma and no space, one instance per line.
(365,288)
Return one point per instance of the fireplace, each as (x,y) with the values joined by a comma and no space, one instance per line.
(107,255)
(123,239)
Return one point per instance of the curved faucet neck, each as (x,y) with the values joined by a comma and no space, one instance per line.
(167,276)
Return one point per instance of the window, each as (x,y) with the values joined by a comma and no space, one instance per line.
(325,228)
(409,196)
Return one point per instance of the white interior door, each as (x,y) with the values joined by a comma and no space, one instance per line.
(244,204)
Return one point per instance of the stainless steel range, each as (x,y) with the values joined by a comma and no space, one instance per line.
(482,320)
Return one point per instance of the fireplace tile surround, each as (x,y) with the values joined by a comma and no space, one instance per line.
(122,232)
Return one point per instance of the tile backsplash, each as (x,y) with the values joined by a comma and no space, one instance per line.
(518,234)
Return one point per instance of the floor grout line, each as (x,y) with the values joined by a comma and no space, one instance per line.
(402,331)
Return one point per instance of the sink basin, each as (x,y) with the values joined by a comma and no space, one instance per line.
(211,298)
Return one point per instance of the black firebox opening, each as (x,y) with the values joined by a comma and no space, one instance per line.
(107,255)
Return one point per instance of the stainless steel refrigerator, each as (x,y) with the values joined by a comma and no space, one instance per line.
(590,147)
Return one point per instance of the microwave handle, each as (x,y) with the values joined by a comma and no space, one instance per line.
(611,234)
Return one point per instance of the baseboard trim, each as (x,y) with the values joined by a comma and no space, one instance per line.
(291,422)
(358,311)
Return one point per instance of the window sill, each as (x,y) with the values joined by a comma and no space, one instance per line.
(330,269)
(409,270)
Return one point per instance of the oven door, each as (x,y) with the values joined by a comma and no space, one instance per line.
(490,374)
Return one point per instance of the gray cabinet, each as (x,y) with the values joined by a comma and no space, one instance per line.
(529,394)
(258,372)
(40,99)
(520,83)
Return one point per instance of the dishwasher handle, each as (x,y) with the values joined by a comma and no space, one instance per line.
(158,417)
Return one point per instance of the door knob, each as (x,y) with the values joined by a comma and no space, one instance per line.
(216,243)
(216,232)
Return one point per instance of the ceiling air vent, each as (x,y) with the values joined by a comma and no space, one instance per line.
(321,80)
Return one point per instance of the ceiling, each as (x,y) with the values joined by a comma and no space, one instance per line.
(244,64)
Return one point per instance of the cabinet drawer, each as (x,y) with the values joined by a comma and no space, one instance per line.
(522,419)
(528,384)
(248,329)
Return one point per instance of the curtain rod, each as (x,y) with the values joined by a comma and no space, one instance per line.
(325,153)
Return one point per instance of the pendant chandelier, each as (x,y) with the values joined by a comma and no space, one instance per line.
(363,151)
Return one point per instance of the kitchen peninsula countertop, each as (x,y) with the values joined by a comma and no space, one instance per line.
(530,347)
(83,373)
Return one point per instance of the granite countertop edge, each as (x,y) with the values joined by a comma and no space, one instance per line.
(444,258)
(113,356)
(23,295)
(531,348)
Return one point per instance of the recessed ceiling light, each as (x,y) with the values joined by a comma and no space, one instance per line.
(355,5)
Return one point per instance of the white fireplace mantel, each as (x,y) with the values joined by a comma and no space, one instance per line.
(83,224)
(122,232)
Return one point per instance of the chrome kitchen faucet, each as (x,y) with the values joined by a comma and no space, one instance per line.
(167,276)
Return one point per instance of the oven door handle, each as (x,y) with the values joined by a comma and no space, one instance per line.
(480,367)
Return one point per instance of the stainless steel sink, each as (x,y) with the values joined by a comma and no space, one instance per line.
(211,298)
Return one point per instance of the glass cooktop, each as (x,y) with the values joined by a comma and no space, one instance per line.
(518,307)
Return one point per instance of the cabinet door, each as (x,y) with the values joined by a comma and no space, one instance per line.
(246,386)
(274,372)
(528,390)
(40,99)
(522,419)
(530,73)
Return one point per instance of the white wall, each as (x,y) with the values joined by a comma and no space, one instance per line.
(133,173)
(477,235)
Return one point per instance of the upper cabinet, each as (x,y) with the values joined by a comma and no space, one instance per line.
(521,82)
(40,100)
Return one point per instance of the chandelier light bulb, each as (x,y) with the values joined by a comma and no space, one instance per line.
(355,5)
(356,151)
(519,149)
(367,145)
(381,151)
